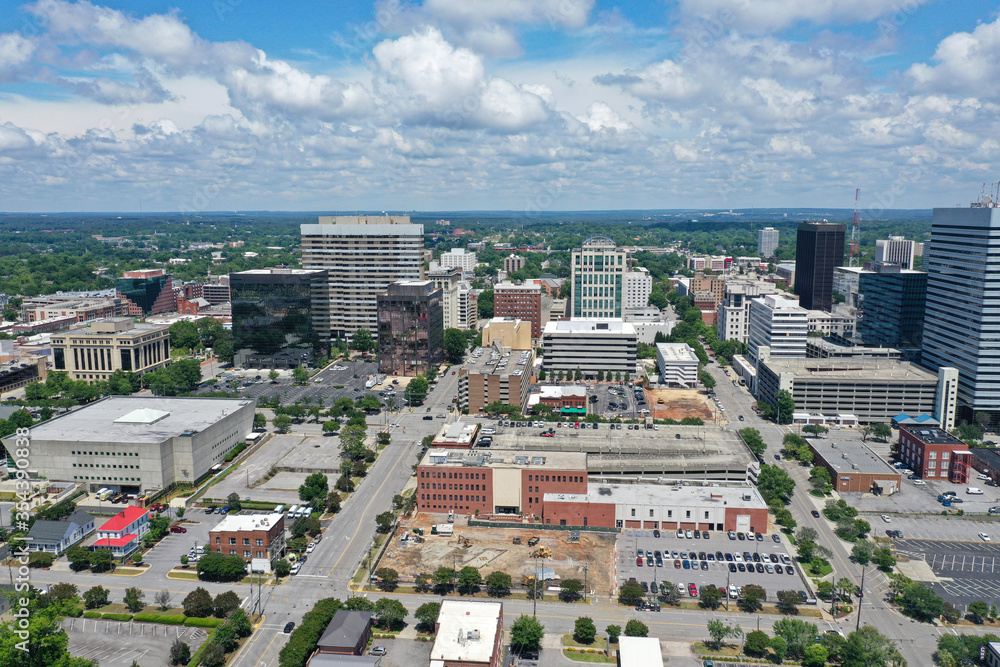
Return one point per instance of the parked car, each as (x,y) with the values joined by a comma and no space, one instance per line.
(692,590)
(289,627)
(380,650)
(178,529)
(885,518)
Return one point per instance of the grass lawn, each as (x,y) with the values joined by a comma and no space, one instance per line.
(598,643)
(727,650)
(588,657)
(822,572)
(127,571)
(174,574)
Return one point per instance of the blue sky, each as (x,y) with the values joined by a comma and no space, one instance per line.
(521,105)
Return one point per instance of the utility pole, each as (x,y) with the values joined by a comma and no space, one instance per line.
(727,591)
(454,564)
(861,597)
(586,567)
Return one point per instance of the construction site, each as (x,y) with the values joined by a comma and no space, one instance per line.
(518,551)
(679,404)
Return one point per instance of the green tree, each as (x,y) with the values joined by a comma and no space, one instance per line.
(756,643)
(385,520)
(820,479)
(706,380)
(630,593)
(867,647)
(636,628)
(259,421)
(216,566)
(281,422)
(184,334)
(98,596)
(752,598)
(775,484)
(718,631)
(422,582)
(225,603)
(198,603)
(919,601)
(469,578)
(233,500)
(101,560)
(584,630)
(180,653)
(815,429)
(753,440)
(784,406)
(444,577)
(711,597)
(968,433)
(785,519)
(273,375)
(978,611)
(814,655)
(613,632)
(498,584)
(427,615)
(133,599)
(797,634)
(863,552)
(282,568)
(883,558)
(388,578)
(363,341)
(390,613)
(882,431)
(314,489)
(416,390)
(570,590)
(300,375)
(455,345)
(526,634)
(669,593)
(788,602)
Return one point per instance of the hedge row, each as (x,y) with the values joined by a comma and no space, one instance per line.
(193,622)
(91,614)
(159,618)
(117,617)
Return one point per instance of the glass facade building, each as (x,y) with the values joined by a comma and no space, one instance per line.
(150,290)
(819,250)
(272,317)
(599,269)
(410,328)
(962,316)
(891,305)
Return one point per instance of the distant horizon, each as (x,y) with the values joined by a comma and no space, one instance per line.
(467,212)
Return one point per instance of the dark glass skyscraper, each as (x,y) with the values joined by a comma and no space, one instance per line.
(819,250)
(891,308)
(272,317)
(410,328)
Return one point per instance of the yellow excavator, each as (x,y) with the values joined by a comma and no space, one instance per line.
(542,552)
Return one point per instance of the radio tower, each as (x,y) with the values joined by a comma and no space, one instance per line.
(856,230)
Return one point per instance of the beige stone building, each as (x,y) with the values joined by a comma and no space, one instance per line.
(94,353)
(508,332)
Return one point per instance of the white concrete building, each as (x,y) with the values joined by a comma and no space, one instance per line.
(590,345)
(895,250)
(362,256)
(459,258)
(138,443)
(677,364)
(638,286)
(468,634)
(767,241)
(779,324)
(734,311)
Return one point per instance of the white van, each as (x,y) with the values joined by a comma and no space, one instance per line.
(973,491)
(292,510)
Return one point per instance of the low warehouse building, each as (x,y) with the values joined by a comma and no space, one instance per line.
(670,507)
(468,634)
(854,467)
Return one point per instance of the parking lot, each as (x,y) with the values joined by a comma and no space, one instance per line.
(621,404)
(116,643)
(966,571)
(717,573)
(937,527)
(321,388)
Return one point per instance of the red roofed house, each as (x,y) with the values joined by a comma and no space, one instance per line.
(123,532)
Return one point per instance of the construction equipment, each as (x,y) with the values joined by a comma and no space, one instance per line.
(464,541)
(517,540)
(542,552)
(532,541)
(418,531)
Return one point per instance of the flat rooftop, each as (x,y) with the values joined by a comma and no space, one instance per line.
(129,419)
(933,435)
(489,361)
(852,368)
(237,522)
(640,651)
(278,272)
(599,327)
(665,494)
(554,391)
(467,631)
(499,458)
(847,456)
(135,329)
(457,432)
(680,352)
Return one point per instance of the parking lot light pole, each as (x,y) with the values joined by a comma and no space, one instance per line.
(861,598)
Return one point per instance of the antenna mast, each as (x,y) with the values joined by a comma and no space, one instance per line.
(856,230)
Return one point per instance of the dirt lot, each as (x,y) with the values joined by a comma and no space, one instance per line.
(493,549)
(678,404)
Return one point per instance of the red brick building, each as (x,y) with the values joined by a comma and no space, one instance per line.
(521,301)
(496,482)
(252,536)
(934,454)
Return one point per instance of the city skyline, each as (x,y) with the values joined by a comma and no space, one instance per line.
(524,106)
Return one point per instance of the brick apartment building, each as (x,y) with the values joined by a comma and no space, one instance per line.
(254,536)
(520,301)
(933,453)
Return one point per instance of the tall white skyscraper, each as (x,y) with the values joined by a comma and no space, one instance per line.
(599,269)
(638,287)
(779,324)
(362,256)
(767,241)
(962,316)
(895,250)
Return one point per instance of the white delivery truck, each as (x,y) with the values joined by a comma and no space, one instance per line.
(974,491)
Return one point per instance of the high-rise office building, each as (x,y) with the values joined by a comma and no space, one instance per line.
(891,308)
(819,250)
(410,328)
(767,241)
(273,318)
(522,301)
(459,258)
(962,316)
(599,269)
(512,263)
(778,324)
(895,250)
(638,286)
(362,256)
(149,289)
